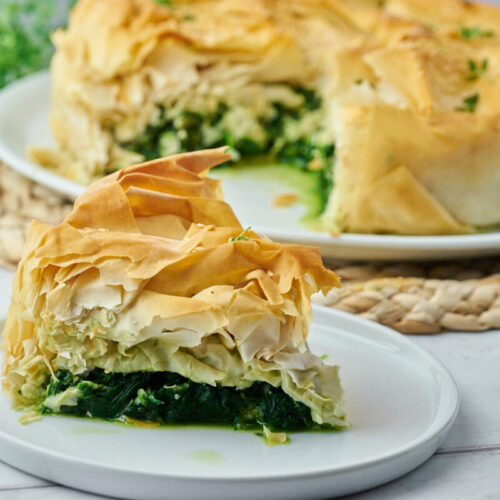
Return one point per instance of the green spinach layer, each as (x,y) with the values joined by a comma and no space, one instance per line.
(169,398)
(188,132)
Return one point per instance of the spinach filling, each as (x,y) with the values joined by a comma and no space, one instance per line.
(169,398)
(269,141)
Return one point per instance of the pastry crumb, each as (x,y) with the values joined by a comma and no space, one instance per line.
(29,417)
(285,200)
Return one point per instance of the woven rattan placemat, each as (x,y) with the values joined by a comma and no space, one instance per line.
(422,298)
(21,201)
(412,298)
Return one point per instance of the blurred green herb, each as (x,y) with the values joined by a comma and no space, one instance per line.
(476,70)
(241,236)
(469,103)
(25,27)
(474,32)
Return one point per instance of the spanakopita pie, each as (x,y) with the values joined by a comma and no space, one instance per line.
(151,302)
(391,108)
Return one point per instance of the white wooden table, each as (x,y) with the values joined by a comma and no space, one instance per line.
(467,467)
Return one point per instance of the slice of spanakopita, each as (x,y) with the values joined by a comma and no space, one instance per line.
(151,302)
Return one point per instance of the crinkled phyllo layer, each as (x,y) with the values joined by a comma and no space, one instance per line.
(143,278)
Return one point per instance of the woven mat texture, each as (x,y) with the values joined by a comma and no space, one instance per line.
(411,298)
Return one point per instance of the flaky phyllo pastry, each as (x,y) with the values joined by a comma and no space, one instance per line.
(392,107)
(150,301)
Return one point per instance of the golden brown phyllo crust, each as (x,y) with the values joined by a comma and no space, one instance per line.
(410,94)
(151,272)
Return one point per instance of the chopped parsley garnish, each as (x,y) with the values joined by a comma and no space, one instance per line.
(169,398)
(169,3)
(471,32)
(360,81)
(241,236)
(469,103)
(189,18)
(476,70)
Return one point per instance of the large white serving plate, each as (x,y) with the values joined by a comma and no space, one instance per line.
(400,401)
(24,109)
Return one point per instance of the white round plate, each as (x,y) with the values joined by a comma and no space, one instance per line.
(400,401)
(24,110)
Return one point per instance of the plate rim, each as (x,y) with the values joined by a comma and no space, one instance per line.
(391,241)
(22,165)
(426,438)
